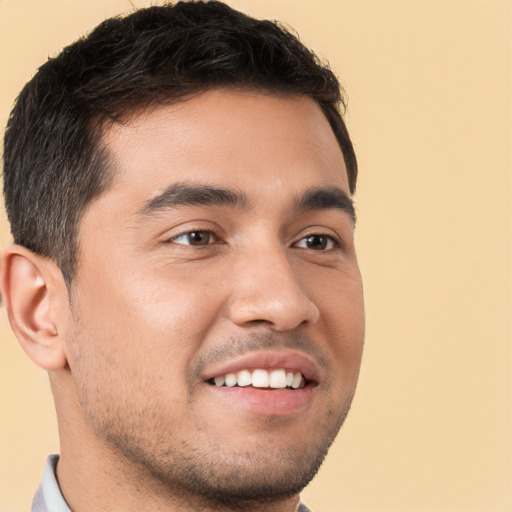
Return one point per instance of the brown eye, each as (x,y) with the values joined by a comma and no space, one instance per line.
(316,243)
(197,238)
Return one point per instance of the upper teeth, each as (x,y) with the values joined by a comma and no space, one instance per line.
(276,379)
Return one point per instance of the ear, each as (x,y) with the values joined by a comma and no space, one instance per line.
(32,295)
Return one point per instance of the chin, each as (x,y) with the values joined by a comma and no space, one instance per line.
(236,481)
(225,477)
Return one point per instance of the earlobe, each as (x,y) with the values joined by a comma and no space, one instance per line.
(28,292)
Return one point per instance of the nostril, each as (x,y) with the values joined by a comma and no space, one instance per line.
(257,322)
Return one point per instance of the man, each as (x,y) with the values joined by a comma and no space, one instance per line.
(179,186)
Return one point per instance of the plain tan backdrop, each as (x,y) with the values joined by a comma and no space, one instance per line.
(429,86)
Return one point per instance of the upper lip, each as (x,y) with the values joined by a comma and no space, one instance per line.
(268,359)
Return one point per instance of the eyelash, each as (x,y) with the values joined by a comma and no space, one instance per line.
(328,242)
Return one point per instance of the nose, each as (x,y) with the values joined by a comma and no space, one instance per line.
(267,291)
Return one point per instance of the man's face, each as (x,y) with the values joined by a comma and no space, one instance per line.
(224,246)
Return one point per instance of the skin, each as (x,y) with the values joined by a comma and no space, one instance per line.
(150,314)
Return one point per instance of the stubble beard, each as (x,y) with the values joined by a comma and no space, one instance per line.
(200,473)
(213,478)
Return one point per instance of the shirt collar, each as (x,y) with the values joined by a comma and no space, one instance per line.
(48,497)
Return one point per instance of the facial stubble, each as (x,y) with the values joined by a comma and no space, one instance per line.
(219,479)
(202,469)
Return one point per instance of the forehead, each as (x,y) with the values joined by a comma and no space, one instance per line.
(225,133)
(229,137)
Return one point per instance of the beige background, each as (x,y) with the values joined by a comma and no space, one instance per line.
(429,84)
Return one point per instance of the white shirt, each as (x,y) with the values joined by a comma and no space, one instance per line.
(48,497)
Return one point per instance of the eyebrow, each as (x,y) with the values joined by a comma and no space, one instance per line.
(325,198)
(190,194)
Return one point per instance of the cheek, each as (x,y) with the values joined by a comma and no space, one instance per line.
(343,318)
(157,322)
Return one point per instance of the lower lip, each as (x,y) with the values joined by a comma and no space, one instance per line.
(264,401)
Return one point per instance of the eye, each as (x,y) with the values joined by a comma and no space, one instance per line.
(196,238)
(317,243)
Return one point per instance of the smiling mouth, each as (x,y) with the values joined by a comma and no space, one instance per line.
(275,379)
